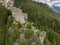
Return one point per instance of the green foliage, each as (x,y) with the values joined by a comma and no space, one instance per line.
(15,33)
(53,37)
(2,36)
(47,42)
(38,16)
(29,25)
(10,21)
(28,34)
(44,18)
(4,13)
(21,43)
(38,33)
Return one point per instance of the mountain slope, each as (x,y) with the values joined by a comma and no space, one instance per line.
(42,26)
(44,18)
(38,12)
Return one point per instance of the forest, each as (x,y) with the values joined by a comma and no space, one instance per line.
(44,18)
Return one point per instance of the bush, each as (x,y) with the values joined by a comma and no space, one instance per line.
(4,13)
(28,34)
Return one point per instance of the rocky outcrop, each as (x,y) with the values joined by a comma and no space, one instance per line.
(7,3)
(17,13)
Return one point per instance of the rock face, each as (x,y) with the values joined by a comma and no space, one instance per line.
(42,37)
(17,13)
(7,3)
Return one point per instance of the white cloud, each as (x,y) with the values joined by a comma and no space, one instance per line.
(57,5)
(49,2)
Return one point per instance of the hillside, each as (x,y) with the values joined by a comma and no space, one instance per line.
(41,14)
(29,23)
(44,18)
